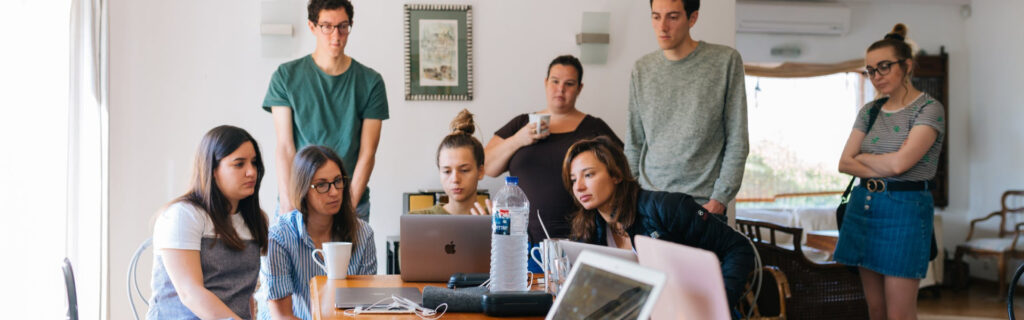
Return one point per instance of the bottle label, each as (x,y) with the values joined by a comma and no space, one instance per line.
(502,221)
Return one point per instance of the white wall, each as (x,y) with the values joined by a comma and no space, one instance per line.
(931,25)
(179,68)
(996,139)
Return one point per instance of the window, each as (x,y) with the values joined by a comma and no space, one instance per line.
(35,164)
(798,127)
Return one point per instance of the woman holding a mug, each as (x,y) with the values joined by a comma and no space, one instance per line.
(533,150)
(207,243)
(324,214)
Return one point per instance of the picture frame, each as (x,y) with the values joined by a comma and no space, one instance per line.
(438,52)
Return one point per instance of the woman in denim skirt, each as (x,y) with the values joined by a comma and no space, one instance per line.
(887,229)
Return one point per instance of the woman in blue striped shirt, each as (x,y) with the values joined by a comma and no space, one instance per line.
(325,214)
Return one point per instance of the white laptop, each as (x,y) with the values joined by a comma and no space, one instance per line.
(433,247)
(573,249)
(603,287)
(694,288)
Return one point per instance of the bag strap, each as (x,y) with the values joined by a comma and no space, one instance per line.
(872,116)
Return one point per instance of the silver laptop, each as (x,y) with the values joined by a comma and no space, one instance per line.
(433,247)
(349,298)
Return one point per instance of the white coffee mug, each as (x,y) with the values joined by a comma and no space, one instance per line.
(336,256)
(537,119)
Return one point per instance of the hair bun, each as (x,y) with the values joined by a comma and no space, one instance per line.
(463,123)
(899,32)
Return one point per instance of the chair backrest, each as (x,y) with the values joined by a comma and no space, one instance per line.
(1012,203)
(818,288)
(72,294)
(133,277)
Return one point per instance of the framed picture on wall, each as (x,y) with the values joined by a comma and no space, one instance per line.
(438,52)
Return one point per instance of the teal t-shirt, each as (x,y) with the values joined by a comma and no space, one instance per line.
(328,110)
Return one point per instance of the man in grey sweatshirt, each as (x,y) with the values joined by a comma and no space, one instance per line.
(687,112)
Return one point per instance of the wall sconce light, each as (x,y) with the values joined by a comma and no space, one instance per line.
(594,37)
(786,51)
(279,20)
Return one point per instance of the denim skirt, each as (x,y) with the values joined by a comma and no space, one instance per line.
(888,232)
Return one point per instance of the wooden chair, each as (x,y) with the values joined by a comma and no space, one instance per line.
(1004,244)
(771,299)
(817,290)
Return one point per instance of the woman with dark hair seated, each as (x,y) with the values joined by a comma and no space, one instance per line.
(612,209)
(207,243)
(324,213)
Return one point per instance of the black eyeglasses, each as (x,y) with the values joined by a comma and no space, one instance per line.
(323,187)
(344,28)
(883,67)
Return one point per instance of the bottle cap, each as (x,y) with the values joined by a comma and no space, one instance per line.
(512,180)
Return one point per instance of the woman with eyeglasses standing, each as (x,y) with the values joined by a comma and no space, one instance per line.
(207,243)
(324,213)
(887,229)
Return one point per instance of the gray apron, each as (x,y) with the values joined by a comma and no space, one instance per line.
(231,276)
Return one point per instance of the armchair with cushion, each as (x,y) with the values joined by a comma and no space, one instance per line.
(1004,244)
(817,290)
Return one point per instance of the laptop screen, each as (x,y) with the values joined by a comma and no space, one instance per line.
(599,294)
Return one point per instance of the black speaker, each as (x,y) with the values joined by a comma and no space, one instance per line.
(517,304)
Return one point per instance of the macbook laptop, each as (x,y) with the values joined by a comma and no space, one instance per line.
(603,287)
(694,288)
(433,247)
(349,298)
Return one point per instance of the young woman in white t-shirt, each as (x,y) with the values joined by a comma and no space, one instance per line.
(208,242)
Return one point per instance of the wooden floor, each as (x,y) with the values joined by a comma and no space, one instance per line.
(978,302)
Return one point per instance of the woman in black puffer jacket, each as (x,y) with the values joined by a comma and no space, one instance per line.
(612,209)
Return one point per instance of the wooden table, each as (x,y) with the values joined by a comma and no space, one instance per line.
(321,293)
(823,239)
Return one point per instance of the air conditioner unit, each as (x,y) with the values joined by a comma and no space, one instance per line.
(792,17)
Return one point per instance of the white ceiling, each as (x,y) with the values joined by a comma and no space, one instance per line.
(884,1)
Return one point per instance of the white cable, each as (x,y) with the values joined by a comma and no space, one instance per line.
(400,304)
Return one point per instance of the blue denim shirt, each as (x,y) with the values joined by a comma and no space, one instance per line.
(288,266)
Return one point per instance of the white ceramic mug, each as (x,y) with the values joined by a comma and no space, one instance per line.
(538,119)
(336,256)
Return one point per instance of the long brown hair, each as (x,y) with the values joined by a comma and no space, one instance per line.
(462,136)
(624,196)
(344,224)
(203,192)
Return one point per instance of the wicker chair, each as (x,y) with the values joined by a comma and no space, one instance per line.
(1004,245)
(818,290)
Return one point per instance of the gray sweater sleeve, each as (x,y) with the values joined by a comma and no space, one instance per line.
(736,138)
(635,130)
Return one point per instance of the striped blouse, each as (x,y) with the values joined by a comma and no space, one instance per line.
(288,265)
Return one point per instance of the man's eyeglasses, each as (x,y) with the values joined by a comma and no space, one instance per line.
(344,28)
(883,67)
(323,187)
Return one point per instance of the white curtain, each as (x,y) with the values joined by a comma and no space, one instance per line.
(87,225)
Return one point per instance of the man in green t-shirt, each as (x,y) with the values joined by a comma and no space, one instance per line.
(327,98)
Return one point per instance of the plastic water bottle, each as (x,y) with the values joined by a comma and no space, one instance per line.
(509,241)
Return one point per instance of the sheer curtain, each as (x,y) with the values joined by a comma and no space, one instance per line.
(87,164)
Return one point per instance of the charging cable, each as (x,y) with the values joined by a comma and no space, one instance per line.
(400,304)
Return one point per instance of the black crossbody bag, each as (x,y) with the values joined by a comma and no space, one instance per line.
(841,210)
